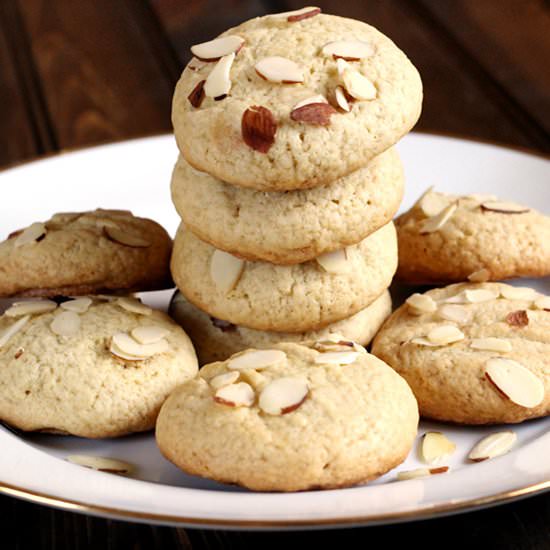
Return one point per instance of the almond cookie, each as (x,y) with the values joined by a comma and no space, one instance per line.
(290,418)
(216,340)
(473,353)
(308,223)
(85,253)
(280,104)
(89,367)
(449,238)
(284,298)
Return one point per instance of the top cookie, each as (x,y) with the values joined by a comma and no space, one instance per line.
(240,118)
(85,253)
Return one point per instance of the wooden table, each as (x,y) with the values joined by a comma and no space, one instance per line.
(75,73)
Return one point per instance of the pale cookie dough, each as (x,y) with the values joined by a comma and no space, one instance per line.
(291,227)
(216,340)
(288,420)
(297,154)
(86,253)
(78,367)
(473,353)
(296,298)
(449,238)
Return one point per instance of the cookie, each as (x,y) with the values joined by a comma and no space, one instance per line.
(291,227)
(89,367)
(473,353)
(290,418)
(295,298)
(448,238)
(216,340)
(293,104)
(86,253)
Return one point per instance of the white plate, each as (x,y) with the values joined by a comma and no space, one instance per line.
(135,175)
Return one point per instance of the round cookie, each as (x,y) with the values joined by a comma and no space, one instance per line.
(251,135)
(308,223)
(290,420)
(216,340)
(86,253)
(295,298)
(78,368)
(448,238)
(491,366)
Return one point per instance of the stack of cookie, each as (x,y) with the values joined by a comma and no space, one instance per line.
(287,181)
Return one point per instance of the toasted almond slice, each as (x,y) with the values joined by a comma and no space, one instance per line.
(101,464)
(445,334)
(543,303)
(30,235)
(338,344)
(479,276)
(196,64)
(491,344)
(258,128)
(125,346)
(217,48)
(225,270)
(493,445)
(518,293)
(283,395)
(435,447)
(66,323)
(133,305)
(149,334)
(78,305)
(218,82)
(313,113)
(197,95)
(224,379)
(435,223)
(341,99)
(421,472)
(235,395)
(503,207)
(297,15)
(127,239)
(349,50)
(334,262)
(518,318)
(477,295)
(256,359)
(313,99)
(459,298)
(456,313)
(423,342)
(12,330)
(515,382)
(279,70)
(337,357)
(420,304)
(356,84)
(432,203)
(33,307)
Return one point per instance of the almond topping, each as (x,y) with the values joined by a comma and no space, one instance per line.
(432,203)
(435,447)
(31,234)
(121,237)
(225,270)
(78,305)
(218,82)
(503,207)
(101,464)
(515,382)
(338,344)
(217,48)
(313,99)
(421,472)
(197,95)
(196,64)
(458,314)
(313,113)
(421,303)
(491,344)
(235,395)
(256,359)
(543,303)
(349,50)
(477,295)
(480,276)
(283,395)
(297,15)
(30,308)
(518,318)
(334,262)
(258,128)
(435,223)
(12,330)
(66,323)
(423,342)
(356,84)
(493,445)
(224,379)
(518,293)
(341,99)
(134,306)
(124,346)
(337,357)
(445,334)
(149,334)
(279,70)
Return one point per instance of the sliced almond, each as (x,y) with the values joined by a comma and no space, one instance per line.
(317,114)
(197,95)
(258,128)
(217,48)
(338,344)
(420,304)
(543,303)
(478,295)
(334,262)
(34,307)
(337,357)
(256,359)
(124,346)
(421,472)
(218,82)
(133,305)
(101,464)
(503,207)
(341,99)
(432,203)
(235,395)
(283,395)
(279,70)
(456,313)
(421,341)
(515,382)
(127,239)
(445,334)
(31,234)
(66,323)
(224,379)
(10,331)
(78,305)
(435,223)
(459,298)
(297,15)
(491,344)
(313,99)
(518,318)
(349,50)
(518,293)
(196,64)
(435,447)
(479,276)
(149,334)
(493,445)
(225,270)
(356,84)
